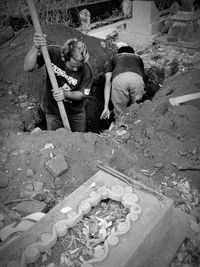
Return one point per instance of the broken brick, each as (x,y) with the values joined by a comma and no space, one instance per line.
(57,165)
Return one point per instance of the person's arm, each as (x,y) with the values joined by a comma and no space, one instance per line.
(30,61)
(107,90)
(63,94)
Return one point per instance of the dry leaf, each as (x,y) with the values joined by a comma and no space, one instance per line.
(102,234)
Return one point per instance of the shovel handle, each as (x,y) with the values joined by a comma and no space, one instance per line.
(47,60)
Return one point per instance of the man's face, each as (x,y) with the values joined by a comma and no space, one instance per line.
(76,61)
(74,64)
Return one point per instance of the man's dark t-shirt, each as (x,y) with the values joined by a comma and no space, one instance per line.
(77,81)
(125,62)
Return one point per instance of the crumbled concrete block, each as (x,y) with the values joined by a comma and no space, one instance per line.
(57,165)
(27,207)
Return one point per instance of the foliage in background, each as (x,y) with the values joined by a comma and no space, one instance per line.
(49,11)
(10,8)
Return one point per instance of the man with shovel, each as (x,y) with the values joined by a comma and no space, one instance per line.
(74,77)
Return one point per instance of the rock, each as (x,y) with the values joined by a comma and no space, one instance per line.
(23,104)
(29,187)
(107,154)
(57,166)
(48,200)
(174,194)
(28,207)
(38,186)
(40,197)
(29,173)
(150,132)
(23,97)
(4,180)
(125,136)
(36,130)
(158,165)
(26,194)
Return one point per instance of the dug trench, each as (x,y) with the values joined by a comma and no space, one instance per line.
(159,146)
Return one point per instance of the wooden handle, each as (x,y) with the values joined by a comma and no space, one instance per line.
(47,60)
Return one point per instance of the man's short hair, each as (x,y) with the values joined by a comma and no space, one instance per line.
(126,49)
(75,49)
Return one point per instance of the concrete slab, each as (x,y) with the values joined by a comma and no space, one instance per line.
(144,12)
(134,248)
(143,26)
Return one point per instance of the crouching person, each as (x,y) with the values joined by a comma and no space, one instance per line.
(124,82)
(74,77)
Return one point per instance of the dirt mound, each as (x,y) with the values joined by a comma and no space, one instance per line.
(166,138)
(82,152)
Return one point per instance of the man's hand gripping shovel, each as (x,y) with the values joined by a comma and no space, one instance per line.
(47,60)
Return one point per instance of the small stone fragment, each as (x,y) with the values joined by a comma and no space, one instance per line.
(29,187)
(23,104)
(158,165)
(44,258)
(36,130)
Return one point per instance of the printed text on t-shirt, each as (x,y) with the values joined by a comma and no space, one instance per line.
(62,73)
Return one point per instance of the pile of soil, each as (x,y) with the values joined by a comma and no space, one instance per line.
(158,140)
